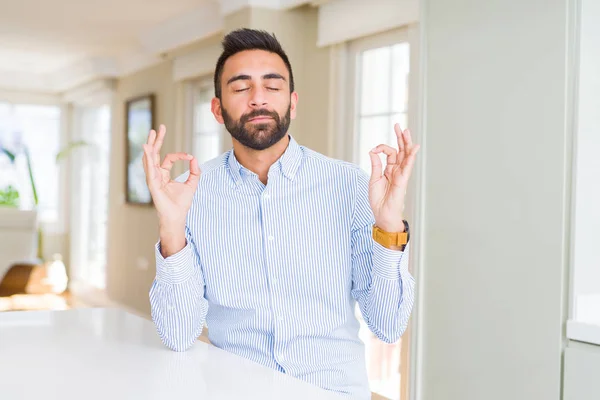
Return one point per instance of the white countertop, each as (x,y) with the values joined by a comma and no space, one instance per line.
(109,354)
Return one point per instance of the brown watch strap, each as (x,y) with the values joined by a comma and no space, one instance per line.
(391,240)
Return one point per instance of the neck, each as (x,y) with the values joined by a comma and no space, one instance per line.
(259,161)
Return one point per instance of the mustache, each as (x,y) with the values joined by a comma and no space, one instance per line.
(259,113)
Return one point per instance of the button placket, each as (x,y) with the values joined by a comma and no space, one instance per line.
(269,257)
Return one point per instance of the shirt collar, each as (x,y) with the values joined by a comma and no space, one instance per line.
(288,163)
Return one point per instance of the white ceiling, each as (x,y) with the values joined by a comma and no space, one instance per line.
(45,35)
(54,45)
(43,43)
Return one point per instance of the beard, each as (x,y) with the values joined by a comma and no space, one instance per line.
(259,136)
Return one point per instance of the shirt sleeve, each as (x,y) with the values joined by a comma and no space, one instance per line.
(381,282)
(177,302)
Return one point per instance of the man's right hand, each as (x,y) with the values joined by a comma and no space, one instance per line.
(172,199)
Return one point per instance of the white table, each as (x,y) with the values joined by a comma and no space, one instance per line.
(109,354)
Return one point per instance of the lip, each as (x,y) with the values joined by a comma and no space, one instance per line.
(260,119)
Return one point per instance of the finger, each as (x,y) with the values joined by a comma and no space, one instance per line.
(401,143)
(408,138)
(162,130)
(375,166)
(148,163)
(194,176)
(171,158)
(410,161)
(389,151)
(151,142)
(151,137)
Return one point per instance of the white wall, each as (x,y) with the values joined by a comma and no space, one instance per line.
(586,257)
(496,166)
(582,363)
(342,20)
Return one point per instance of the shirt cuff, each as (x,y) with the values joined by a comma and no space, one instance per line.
(389,264)
(177,268)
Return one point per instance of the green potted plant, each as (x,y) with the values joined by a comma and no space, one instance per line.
(9,196)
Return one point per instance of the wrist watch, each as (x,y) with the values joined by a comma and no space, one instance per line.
(392,240)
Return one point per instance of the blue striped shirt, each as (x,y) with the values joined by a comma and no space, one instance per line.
(275,270)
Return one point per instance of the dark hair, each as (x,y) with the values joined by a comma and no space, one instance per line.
(249,39)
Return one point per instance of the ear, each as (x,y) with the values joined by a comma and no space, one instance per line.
(215,107)
(293,104)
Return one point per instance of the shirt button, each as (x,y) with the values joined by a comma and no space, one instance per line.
(271,238)
(274,281)
(267,196)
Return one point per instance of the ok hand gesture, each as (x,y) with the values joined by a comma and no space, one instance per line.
(172,199)
(387,187)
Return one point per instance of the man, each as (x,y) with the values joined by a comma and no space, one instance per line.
(273,244)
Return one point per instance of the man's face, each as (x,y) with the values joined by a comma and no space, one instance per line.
(256,105)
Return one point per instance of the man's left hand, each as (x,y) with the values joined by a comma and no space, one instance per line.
(387,188)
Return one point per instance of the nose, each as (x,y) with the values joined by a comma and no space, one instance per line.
(258,98)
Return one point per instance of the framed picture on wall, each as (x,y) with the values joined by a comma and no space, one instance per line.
(139,119)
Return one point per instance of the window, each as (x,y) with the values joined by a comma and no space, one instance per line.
(36,129)
(584,316)
(90,188)
(378,68)
(207,134)
(382,98)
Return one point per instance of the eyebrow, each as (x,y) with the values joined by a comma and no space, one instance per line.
(248,77)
